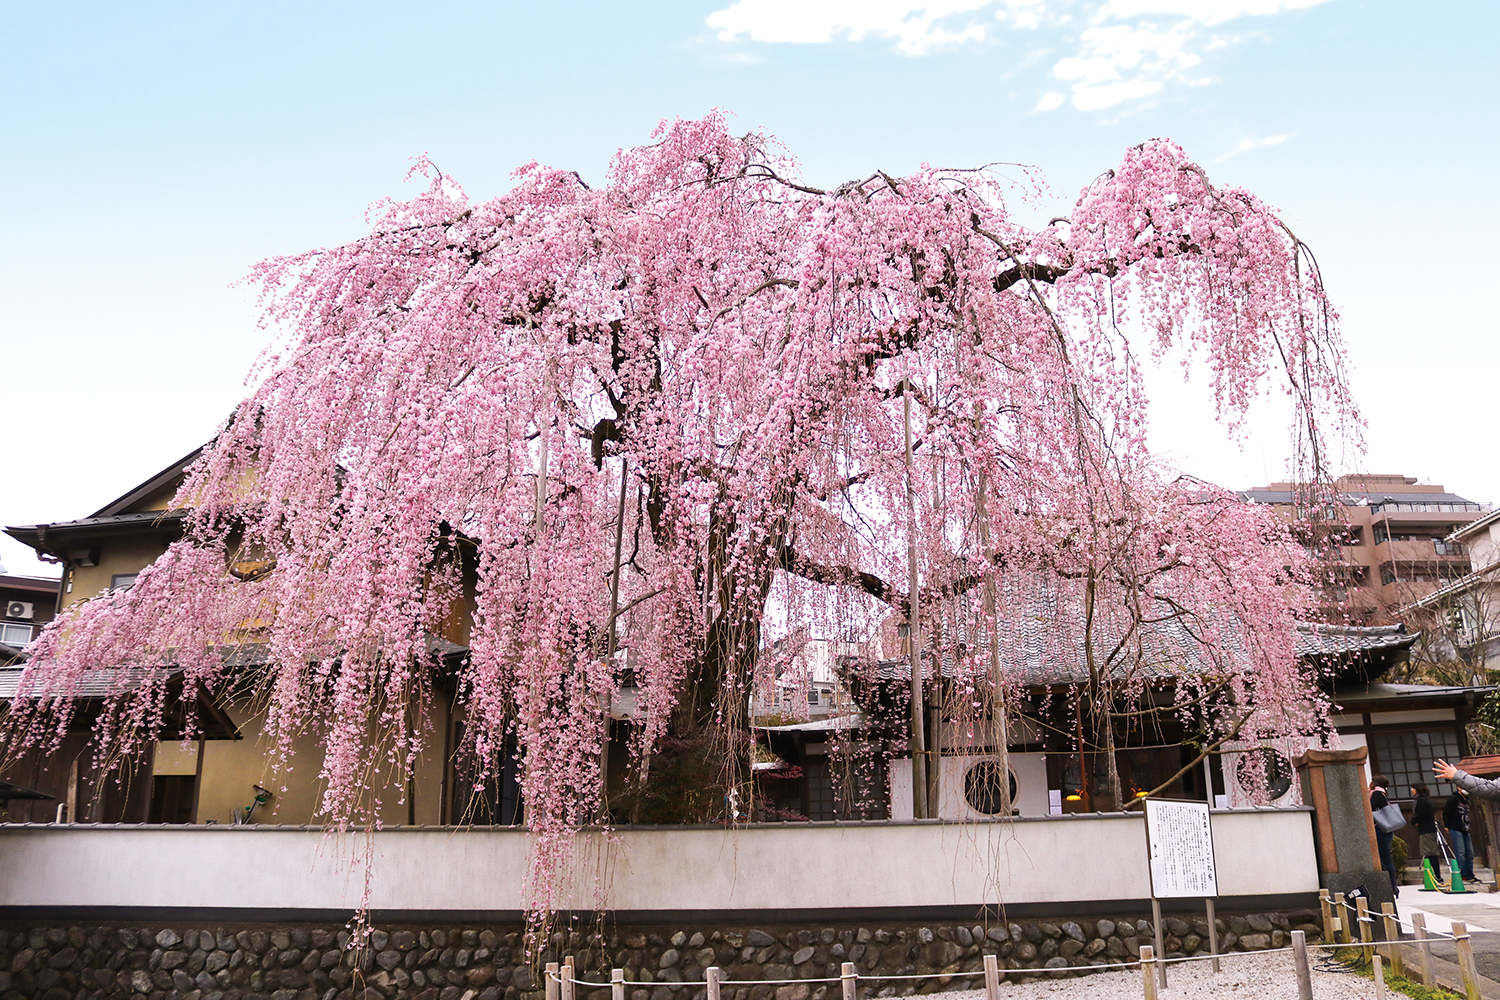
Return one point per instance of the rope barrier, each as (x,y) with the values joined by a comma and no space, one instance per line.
(867,977)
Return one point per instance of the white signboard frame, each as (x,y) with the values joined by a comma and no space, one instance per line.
(1180,842)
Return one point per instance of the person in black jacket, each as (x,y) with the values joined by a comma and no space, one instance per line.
(1456,822)
(1425,820)
(1378,801)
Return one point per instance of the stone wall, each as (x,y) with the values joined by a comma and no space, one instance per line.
(60,961)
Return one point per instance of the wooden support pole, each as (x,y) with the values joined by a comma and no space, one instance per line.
(1379,977)
(1366,928)
(1326,903)
(991,977)
(712,975)
(568,975)
(1424,950)
(916,738)
(1393,939)
(1148,972)
(550,983)
(1466,960)
(1340,918)
(848,979)
(616,984)
(1213,932)
(1161,951)
(1304,973)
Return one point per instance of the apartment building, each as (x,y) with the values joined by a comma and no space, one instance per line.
(26,604)
(1393,546)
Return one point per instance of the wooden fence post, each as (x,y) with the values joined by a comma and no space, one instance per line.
(712,975)
(1213,932)
(1148,971)
(1340,918)
(1379,977)
(991,977)
(1299,959)
(568,975)
(1326,902)
(551,981)
(848,979)
(1393,939)
(1466,959)
(1161,949)
(1366,930)
(617,984)
(1424,949)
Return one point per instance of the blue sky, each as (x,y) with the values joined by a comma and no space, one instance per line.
(154,152)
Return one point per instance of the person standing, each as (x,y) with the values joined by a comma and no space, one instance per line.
(1424,818)
(1378,801)
(1456,822)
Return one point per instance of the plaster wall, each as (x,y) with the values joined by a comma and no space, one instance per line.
(231,769)
(127,554)
(1030,770)
(1096,858)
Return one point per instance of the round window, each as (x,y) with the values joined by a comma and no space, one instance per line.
(982,787)
(1265,768)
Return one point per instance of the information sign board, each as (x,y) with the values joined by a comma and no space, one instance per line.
(1182,849)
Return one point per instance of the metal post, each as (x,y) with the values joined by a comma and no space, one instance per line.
(1379,977)
(847,976)
(1424,949)
(991,977)
(568,975)
(1466,960)
(1161,950)
(1304,974)
(616,984)
(1366,931)
(1213,935)
(551,981)
(712,975)
(1326,903)
(1340,918)
(1148,979)
(1393,939)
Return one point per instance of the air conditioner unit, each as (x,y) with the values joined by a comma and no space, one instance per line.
(19,609)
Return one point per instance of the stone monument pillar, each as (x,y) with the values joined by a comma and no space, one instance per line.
(1333,783)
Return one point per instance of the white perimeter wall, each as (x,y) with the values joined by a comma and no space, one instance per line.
(795,866)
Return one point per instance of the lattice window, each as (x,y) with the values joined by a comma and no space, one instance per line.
(1406,758)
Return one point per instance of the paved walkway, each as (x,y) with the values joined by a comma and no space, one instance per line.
(1479,911)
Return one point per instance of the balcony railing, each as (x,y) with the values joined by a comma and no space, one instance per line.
(1430,508)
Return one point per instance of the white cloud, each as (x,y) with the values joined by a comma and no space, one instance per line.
(1203,11)
(914,26)
(1246,145)
(1132,49)
(1123,50)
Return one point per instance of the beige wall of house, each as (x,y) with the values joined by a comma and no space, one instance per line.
(232,769)
(127,554)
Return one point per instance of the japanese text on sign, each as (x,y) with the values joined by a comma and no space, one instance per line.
(1182,849)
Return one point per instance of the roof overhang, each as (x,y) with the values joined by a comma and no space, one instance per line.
(61,540)
(96,690)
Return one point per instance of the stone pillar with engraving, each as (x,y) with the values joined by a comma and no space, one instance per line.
(1333,783)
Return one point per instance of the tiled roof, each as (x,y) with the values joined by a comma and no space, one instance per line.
(108,682)
(1169,649)
(110,521)
(91,684)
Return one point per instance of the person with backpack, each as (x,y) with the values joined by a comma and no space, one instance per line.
(1424,818)
(1456,822)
